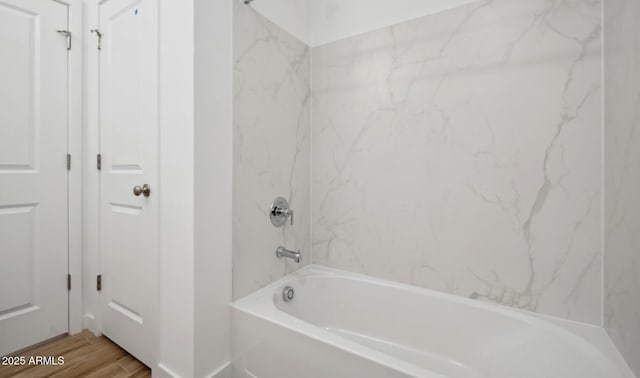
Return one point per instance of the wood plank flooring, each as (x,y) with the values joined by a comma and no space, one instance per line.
(85,355)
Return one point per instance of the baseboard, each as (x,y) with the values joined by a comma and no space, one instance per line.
(89,322)
(223,371)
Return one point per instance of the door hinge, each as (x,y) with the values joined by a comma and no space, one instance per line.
(68,162)
(99,282)
(69,282)
(68,35)
(98,38)
(99,161)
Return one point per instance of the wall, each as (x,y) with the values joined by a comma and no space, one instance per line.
(213,192)
(462,152)
(271,116)
(622,173)
(332,20)
(294,16)
(195,188)
(316,22)
(175,330)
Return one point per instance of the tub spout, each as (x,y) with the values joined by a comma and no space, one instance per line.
(283,252)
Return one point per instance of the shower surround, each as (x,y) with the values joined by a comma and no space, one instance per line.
(460,151)
(271,116)
(622,177)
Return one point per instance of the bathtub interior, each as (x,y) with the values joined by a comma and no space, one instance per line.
(432,331)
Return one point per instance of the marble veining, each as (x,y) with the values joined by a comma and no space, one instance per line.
(461,152)
(622,177)
(271,115)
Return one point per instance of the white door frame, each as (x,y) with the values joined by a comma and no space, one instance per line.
(74,148)
(91,175)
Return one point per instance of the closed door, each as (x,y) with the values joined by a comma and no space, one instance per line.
(33,173)
(129,149)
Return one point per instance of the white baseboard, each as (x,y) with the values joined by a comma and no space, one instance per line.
(89,322)
(223,371)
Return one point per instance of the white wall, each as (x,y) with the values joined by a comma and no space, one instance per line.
(332,20)
(213,184)
(175,347)
(317,22)
(292,15)
(195,181)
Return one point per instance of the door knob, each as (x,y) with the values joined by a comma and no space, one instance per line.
(145,189)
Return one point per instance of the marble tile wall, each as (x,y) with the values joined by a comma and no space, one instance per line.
(622,177)
(271,111)
(462,152)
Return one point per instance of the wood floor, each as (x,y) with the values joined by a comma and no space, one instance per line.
(85,355)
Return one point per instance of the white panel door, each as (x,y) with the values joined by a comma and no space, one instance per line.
(129,149)
(33,173)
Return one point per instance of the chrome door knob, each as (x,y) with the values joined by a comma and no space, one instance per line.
(144,189)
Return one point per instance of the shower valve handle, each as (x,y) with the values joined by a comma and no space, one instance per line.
(280,211)
(288,214)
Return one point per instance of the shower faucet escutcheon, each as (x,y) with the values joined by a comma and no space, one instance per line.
(280,211)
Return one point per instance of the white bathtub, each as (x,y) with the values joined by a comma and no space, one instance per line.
(346,325)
